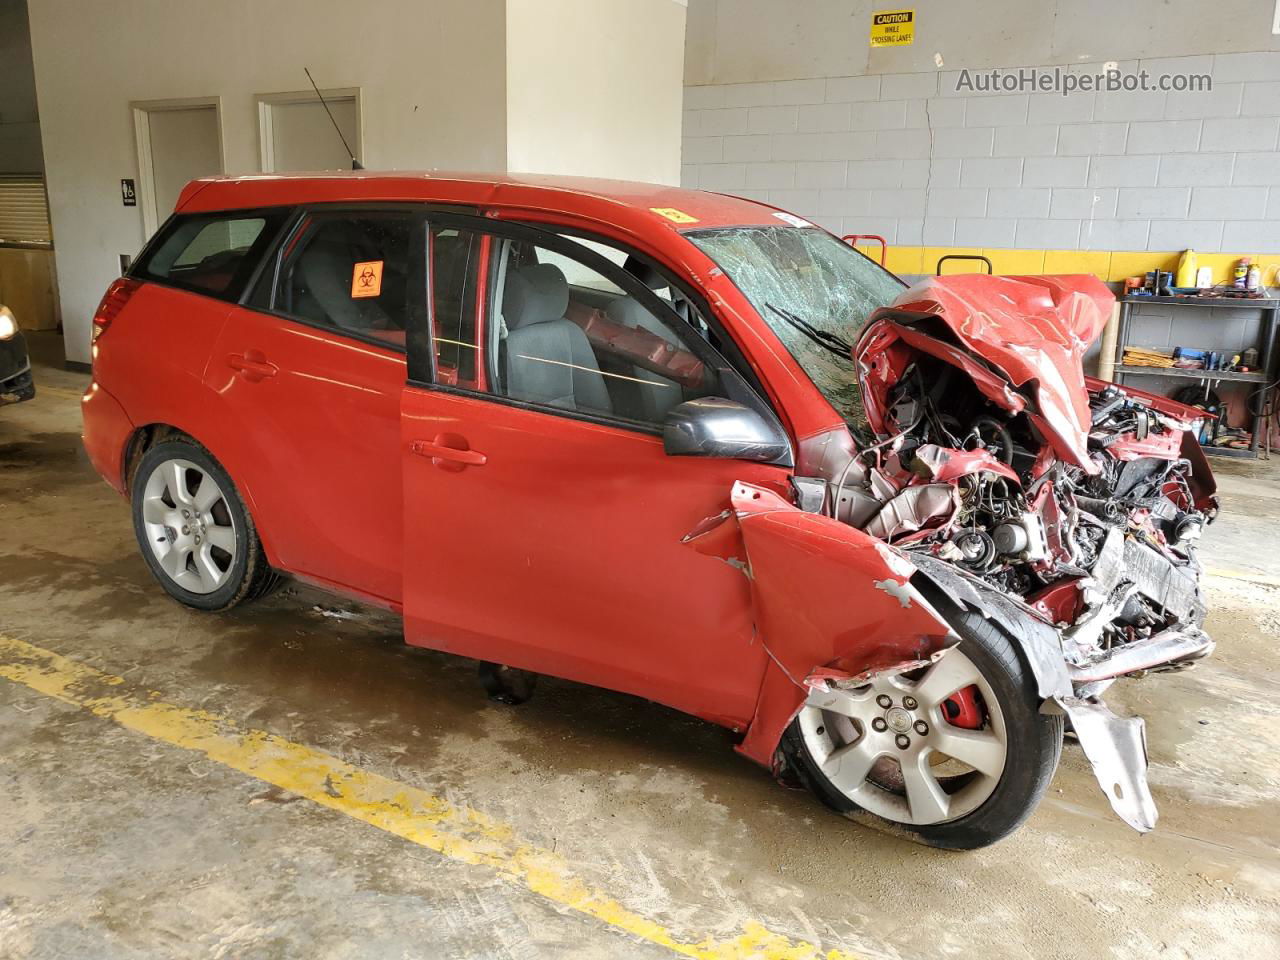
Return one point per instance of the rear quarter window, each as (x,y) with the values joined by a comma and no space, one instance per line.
(213,254)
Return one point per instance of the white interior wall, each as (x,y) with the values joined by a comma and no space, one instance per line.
(432,76)
(788,104)
(743,41)
(594,88)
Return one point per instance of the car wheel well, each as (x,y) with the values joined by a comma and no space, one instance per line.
(142,440)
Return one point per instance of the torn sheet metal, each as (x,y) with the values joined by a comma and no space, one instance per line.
(824,594)
(1175,646)
(914,508)
(943,465)
(719,537)
(815,587)
(1031,331)
(1039,640)
(824,679)
(1117,751)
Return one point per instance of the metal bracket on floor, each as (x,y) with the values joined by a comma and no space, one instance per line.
(1117,751)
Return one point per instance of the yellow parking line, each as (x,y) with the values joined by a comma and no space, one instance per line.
(457,832)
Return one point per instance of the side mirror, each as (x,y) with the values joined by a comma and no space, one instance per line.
(715,427)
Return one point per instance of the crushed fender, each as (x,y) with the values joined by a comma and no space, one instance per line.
(836,608)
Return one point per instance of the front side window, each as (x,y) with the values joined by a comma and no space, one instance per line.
(210,253)
(351,272)
(813,290)
(558,332)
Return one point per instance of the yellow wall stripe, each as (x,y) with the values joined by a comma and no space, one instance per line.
(1112,265)
(457,832)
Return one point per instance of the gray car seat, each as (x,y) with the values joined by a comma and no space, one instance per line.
(548,358)
(658,394)
(321,285)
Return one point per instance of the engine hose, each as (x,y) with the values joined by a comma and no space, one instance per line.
(1001,433)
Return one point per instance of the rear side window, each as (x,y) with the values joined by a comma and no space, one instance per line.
(212,254)
(355,273)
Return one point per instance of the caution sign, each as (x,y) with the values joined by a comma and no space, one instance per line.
(674,215)
(893,28)
(366,279)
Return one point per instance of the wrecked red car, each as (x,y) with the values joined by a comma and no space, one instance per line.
(676,444)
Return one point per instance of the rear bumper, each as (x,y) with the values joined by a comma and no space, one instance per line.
(106,432)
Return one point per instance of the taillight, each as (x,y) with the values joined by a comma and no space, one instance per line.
(113,302)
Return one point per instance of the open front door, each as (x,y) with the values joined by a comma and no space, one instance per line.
(544,532)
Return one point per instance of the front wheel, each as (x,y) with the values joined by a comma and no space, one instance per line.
(194,531)
(958,753)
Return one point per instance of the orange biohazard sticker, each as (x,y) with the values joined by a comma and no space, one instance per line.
(366,279)
(674,215)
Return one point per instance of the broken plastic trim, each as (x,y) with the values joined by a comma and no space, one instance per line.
(1168,648)
(824,680)
(1117,751)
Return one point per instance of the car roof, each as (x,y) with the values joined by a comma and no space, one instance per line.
(616,201)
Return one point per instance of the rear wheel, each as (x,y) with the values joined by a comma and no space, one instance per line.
(194,531)
(957,753)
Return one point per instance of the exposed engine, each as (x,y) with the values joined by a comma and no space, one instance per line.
(1077,498)
(972,487)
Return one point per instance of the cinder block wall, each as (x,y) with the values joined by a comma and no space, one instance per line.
(1091,182)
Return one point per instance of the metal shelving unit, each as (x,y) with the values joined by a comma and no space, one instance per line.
(1204,376)
(1265,373)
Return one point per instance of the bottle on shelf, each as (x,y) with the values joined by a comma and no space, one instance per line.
(1242,273)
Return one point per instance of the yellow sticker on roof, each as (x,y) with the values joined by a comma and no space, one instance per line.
(674,215)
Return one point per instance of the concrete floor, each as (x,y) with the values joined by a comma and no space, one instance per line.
(119,843)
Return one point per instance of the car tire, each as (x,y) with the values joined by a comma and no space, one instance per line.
(1032,747)
(198,540)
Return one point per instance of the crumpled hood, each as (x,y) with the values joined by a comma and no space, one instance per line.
(1032,330)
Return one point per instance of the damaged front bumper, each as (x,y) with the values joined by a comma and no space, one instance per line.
(833,602)
(1070,679)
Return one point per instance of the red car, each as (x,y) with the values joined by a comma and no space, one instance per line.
(676,444)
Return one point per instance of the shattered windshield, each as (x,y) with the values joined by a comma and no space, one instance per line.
(813,290)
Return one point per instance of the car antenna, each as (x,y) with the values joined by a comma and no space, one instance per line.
(355,164)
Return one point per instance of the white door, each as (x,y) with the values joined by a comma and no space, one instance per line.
(176,144)
(297,134)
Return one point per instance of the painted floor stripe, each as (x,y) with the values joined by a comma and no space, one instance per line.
(456,832)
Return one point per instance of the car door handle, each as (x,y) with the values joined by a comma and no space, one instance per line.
(436,451)
(254,368)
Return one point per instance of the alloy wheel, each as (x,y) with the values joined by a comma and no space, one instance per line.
(189,526)
(892,748)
